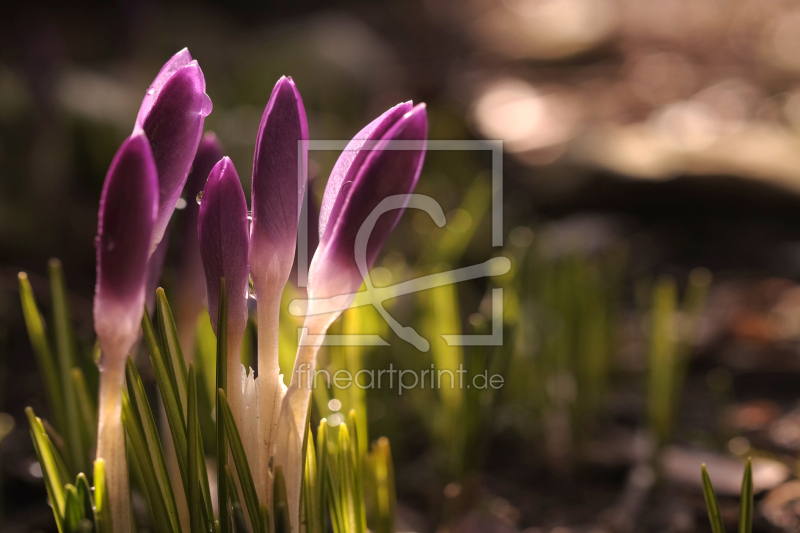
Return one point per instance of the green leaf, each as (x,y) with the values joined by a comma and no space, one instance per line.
(240,460)
(65,349)
(323,464)
(141,412)
(86,498)
(746,504)
(192,438)
(239,524)
(50,471)
(176,367)
(280,505)
(73,508)
(155,497)
(717,526)
(222,380)
(41,349)
(102,509)
(87,409)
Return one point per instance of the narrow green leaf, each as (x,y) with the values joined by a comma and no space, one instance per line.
(87,409)
(176,367)
(235,506)
(280,505)
(152,489)
(310,489)
(717,526)
(358,480)
(73,508)
(155,454)
(322,472)
(86,498)
(240,460)
(168,334)
(222,380)
(102,507)
(746,504)
(192,436)
(50,472)
(266,521)
(65,350)
(41,349)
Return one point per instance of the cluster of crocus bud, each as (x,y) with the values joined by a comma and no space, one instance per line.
(382,161)
(139,195)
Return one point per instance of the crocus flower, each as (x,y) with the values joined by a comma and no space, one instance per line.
(128,208)
(222,232)
(172,115)
(279,179)
(369,171)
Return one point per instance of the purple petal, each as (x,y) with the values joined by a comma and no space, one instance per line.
(181,59)
(174,124)
(349,163)
(222,234)
(385,172)
(279,179)
(126,220)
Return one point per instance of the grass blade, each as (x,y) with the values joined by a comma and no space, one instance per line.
(717,526)
(323,464)
(50,470)
(65,351)
(73,510)
(102,508)
(235,506)
(310,489)
(746,505)
(192,438)
(386,499)
(155,454)
(280,505)
(152,490)
(222,380)
(41,349)
(85,496)
(87,410)
(240,460)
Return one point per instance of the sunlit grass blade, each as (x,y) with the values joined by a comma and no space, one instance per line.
(222,381)
(155,453)
(383,473)
(41,349)
(323,464)
(65,350)
(87,409)
(358,480)
(717,526)
(102,508)
(662,359)
(155,496)
(176,366)
(192,438)
(73,510)
(168,337)
(746,504)
(280,506)
(85,496)
(240,460)
(311,489)
(50,471)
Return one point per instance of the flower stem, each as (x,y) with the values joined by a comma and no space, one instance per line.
(111,440)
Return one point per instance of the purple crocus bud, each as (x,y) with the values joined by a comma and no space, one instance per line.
(279,179)
(172,115)
(222,235)
(128,208)
(359,182)
(280,171)
(125,227)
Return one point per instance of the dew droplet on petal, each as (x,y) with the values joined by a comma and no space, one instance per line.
(199,197)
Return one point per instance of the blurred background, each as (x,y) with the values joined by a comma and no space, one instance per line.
(651,212)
